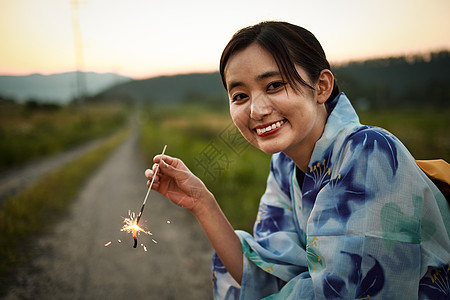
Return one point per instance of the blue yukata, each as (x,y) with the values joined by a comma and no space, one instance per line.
(364,222)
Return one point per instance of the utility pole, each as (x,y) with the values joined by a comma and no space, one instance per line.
(78,51)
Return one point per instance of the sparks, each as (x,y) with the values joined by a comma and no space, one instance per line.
(131,226)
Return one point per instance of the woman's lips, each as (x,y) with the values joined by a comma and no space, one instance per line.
(268,129)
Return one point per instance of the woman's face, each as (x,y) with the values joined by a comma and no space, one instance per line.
(269,113)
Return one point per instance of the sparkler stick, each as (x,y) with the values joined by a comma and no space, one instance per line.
(145,199)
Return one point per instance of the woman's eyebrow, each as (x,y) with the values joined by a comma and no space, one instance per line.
(259,77)
(234,84)
(267,75)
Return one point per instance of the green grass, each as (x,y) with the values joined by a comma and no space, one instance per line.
(41,204)
(29,133)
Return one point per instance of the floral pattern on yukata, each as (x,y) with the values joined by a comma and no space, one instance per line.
(364,223)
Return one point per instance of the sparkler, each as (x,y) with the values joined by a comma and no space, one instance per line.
(131,224)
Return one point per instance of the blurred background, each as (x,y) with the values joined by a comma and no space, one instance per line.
(77,71)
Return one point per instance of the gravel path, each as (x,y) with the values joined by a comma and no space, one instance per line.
(72,261)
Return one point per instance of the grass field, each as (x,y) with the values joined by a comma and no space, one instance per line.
(30,132)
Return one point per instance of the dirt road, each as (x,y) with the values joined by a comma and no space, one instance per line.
(72,261)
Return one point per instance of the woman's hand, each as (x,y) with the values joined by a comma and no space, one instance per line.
(182,187)
(176,182)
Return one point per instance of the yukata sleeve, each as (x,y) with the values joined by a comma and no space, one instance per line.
(378,225)
(274,255)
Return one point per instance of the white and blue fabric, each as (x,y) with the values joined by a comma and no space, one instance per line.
(364,222)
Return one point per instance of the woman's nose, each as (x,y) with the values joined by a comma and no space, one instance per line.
(260,107)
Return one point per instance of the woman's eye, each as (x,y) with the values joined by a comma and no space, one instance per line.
(239,97)
(275,85)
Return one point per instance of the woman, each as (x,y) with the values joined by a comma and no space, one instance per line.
(347,213)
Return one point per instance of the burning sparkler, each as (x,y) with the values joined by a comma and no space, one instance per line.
(131,226)
(132,223)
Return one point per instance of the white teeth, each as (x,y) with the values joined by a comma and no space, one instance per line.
(270,127)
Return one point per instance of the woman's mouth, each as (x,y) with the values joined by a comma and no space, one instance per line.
(269,129)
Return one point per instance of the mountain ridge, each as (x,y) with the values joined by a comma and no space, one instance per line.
(58,88)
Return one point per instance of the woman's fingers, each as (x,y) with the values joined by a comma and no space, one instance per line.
(176,170)
(168,159)
(155,185)
(149,174)
(175,181)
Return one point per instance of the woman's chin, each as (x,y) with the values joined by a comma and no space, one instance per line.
(269,149)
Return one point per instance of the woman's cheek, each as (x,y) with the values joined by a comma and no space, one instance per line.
(238,116)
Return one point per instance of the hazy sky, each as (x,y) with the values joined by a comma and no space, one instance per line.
(143,38)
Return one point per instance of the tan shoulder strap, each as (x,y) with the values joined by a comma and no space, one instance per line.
(438,170)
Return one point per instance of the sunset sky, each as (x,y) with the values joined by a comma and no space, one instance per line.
(144,38)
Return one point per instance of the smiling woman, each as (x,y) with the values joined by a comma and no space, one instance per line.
(347,213)
(260,97)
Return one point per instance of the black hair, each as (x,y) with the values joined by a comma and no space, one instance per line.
(289,45)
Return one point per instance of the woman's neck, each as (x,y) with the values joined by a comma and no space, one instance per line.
(302,152)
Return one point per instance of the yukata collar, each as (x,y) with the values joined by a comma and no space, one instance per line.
(341,118)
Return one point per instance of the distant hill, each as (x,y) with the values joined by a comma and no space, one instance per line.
(56,88)
(186,88)
(414,81)
(405,82)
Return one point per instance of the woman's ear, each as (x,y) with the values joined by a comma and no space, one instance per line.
(324,86)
